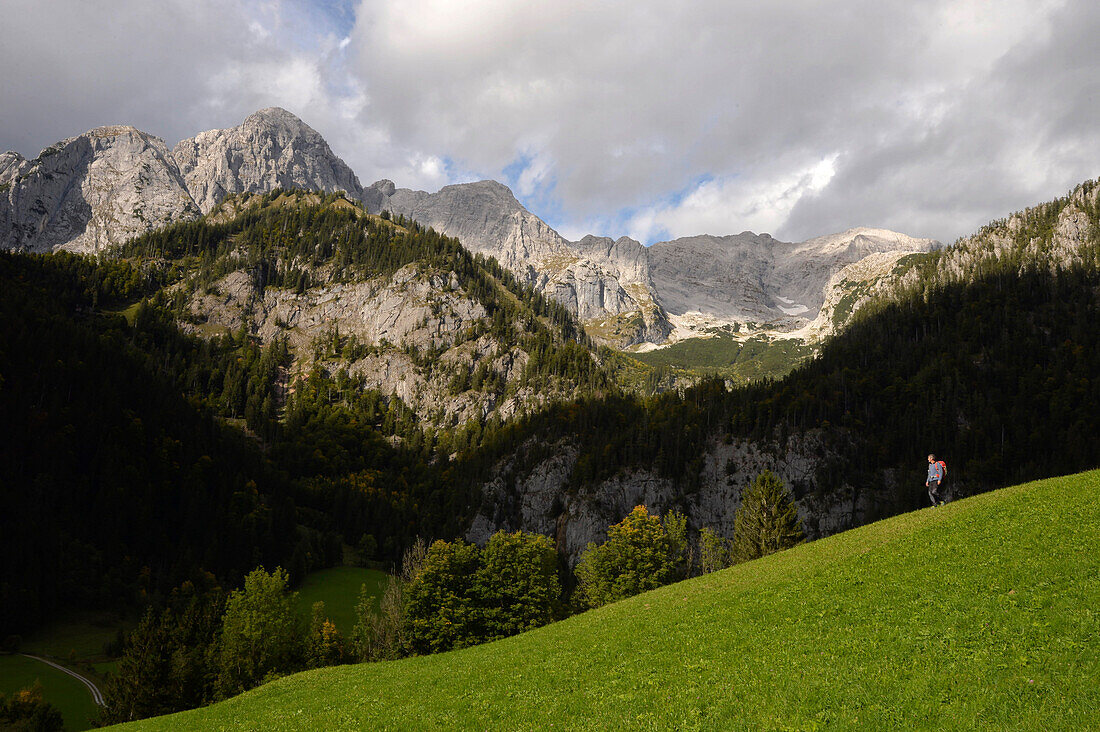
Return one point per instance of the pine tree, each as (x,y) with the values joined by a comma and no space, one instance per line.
(767,520)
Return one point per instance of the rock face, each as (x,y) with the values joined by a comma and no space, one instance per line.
(10,165)
(753,277)
(270,149)
(593,279)
(540,502)
(90,192)
(416,310)
(849,289)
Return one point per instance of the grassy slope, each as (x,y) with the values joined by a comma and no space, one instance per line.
(726,356)
(70,697)
(338,588)
(981,615)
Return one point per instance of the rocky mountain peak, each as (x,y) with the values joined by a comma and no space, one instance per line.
(10,163)
(488,197)
(486,218)
(272,148)
(114,131)
(376,193)
(385,186)
(275,116)
(91,191)
(868,240)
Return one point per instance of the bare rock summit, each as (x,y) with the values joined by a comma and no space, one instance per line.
(271,149)
(90,192)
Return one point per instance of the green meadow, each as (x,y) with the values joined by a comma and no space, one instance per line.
(70,696)
(984,614)
(338,588)
(724,355)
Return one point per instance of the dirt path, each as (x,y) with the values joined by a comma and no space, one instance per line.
(97,695)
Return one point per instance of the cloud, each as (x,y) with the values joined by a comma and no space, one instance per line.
(644,117)
(618,106)
(175,68)
(721,205)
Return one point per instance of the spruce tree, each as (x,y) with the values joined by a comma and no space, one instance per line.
(767,520)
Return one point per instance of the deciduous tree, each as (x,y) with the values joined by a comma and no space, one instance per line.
(636,557)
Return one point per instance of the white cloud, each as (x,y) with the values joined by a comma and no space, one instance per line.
(732,205)
(935,116)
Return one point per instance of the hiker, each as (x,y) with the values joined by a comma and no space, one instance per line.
(937,471)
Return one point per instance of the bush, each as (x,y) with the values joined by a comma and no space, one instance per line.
(463,595)
(324,644)
(27,710)
(714,551)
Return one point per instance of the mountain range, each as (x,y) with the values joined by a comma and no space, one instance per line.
(96,190)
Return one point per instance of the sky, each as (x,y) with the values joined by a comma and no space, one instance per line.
(649,119)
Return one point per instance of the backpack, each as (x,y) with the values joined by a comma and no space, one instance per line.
(943,469)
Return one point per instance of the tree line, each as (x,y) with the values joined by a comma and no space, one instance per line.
(203,644)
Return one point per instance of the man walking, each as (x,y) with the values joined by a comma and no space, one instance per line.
(935,476)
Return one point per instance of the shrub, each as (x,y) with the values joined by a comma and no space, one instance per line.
(324,644)
(27,710)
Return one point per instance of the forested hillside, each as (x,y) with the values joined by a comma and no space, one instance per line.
(146,444)
(116,485)
(227,425)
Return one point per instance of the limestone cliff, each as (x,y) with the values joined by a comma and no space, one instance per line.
(271,149)
(540,500)
(90,192)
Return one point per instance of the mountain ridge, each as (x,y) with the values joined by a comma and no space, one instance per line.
(94,191)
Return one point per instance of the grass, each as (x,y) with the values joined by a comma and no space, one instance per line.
(984,614)
(129,311)
(80,636)
(61,690)
(338,588)
(724,355)
(76,640)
